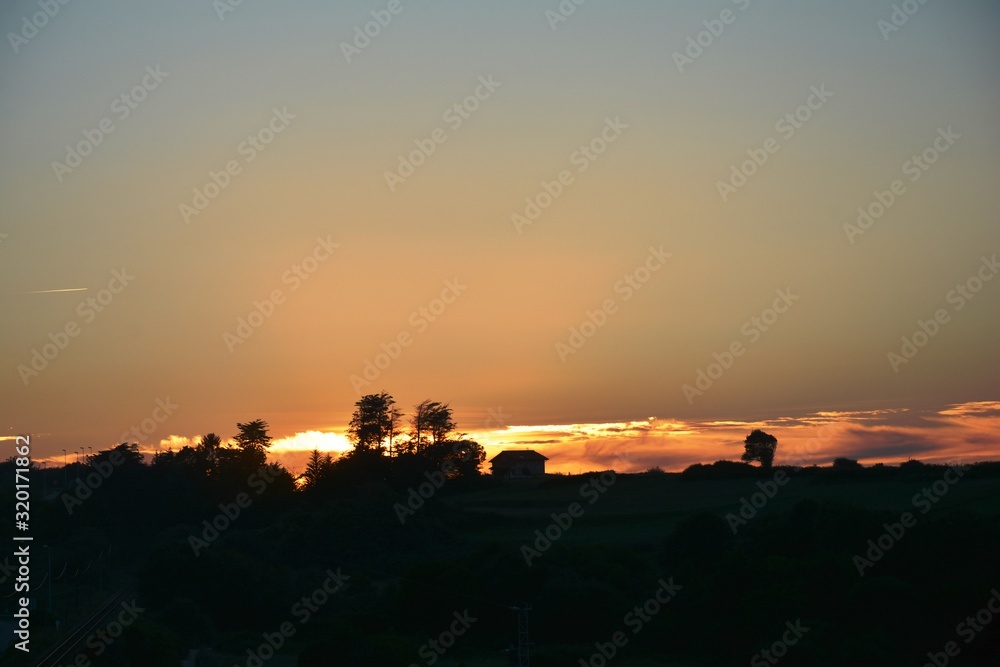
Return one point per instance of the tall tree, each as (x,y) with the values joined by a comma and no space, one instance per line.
(395,415)
(418,426)
(431,423)
(124,454)
(440,422)
(468,455)
(252,442)
(374,421)
(208,453)
(317,468)
(253,436)
(760,446)
(211,442)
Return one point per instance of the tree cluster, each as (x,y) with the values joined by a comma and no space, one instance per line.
(382,450)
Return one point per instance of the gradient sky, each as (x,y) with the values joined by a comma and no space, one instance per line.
(495,347)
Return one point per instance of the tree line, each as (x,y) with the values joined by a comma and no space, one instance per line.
(383,448)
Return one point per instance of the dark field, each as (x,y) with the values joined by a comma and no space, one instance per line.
(720,565)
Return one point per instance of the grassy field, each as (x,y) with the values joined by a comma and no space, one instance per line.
(639,509)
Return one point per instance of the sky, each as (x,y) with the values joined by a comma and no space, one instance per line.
(642,226)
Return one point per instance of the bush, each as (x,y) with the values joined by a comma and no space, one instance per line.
(720,470)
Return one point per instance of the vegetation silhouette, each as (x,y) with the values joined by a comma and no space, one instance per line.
(760,446)
(460,552)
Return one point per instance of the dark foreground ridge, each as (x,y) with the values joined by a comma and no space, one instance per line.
(417,560)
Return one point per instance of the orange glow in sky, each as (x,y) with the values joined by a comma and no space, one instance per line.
(484,209)
(964,432)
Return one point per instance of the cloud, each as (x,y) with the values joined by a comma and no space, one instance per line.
(967,432)
(884,442)
(977,408)
(307,441)
(175,442)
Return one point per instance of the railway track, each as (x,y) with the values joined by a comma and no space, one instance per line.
(71,643)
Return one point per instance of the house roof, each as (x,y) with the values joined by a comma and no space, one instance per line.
(509,456)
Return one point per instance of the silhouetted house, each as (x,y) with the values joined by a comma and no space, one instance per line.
(518,463)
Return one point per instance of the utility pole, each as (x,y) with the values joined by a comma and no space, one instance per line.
(523,643)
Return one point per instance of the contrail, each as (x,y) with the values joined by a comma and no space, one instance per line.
(52,291)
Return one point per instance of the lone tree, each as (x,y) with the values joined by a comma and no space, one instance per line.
(760,446)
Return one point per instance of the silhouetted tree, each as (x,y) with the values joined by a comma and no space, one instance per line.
(468,456)
(317,468)
(374,421)
(717,470)
(760,446)
(418,426)
(844,463)
(394,415)
(249,454)
(124,454)
(431,423)
(211,444)
(253,436)
(440,422)
(207,454)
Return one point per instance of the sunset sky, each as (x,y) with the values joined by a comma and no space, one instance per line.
(553,225)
